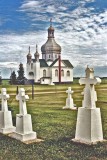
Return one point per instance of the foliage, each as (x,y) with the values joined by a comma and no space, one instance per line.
(13,79)
(21,77)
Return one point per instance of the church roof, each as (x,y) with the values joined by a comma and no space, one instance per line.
(54,62)
(50,46)
(42,62)
(66,62)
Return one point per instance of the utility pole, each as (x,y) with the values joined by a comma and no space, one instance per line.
(17,90)
(32,90)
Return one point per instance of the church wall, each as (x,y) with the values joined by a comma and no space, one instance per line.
(28,69)
(47,72)
(45,81)
(36,69)
(64,78)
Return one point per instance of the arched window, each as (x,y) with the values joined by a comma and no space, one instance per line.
(44,73)
(62,73)
(56,73)
(68,73)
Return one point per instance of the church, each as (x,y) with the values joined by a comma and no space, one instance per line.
(51,68)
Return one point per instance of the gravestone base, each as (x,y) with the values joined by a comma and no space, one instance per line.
(24,130)
(72,108)
(25,137)
(6,125)
(69,104)
(89,126)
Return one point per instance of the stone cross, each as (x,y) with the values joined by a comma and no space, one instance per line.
(90,95)
(69,92)
(22,98)
(4,97)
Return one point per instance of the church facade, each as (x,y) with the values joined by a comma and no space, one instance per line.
(51,68)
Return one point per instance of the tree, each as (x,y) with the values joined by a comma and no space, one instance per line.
(21,77)
(13,79)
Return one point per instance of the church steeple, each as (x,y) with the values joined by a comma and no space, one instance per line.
(51,30)
(36,54)
(29,56)
(50,50)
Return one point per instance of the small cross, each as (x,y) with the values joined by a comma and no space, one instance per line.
(4,97)
(22,98)
(69,91)
(36,48)
(50,21)
(29,49)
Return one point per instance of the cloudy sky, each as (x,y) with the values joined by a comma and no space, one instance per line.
(80,29)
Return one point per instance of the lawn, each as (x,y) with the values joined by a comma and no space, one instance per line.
(54,125)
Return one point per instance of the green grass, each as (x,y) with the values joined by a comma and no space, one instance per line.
(54,125)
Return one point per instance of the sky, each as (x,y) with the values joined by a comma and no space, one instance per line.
(80,29)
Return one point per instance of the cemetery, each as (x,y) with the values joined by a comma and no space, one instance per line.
(57,127)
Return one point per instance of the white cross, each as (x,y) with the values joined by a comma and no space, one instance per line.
(4,97)
(22,98)
(69,91)
(90,95)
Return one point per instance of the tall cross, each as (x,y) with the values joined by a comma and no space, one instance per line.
(4,97)
(50,21)
(69,91)
(22,98)
(90,95)
(36,48)
(29,49)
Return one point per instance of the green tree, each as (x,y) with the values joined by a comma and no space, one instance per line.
(13,79)
(21,77)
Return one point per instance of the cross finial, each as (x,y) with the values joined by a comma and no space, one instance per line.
(51,22)
(29,49)
(36,48)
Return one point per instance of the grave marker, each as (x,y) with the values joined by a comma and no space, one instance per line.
(69,100)
(89,125)
(6,124)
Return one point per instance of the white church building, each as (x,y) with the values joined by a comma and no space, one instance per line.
(51,68)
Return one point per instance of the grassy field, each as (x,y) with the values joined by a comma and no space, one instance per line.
(54,125)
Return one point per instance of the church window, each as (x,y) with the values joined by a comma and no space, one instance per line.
(31,73)
(68,73)
(44,73)
(62,73)
(49,56)
(56,73)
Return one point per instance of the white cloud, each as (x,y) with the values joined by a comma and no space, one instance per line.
(30,4)
(80,31)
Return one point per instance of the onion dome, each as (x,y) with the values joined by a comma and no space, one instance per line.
(29,56)
(51,47)
(36,55)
